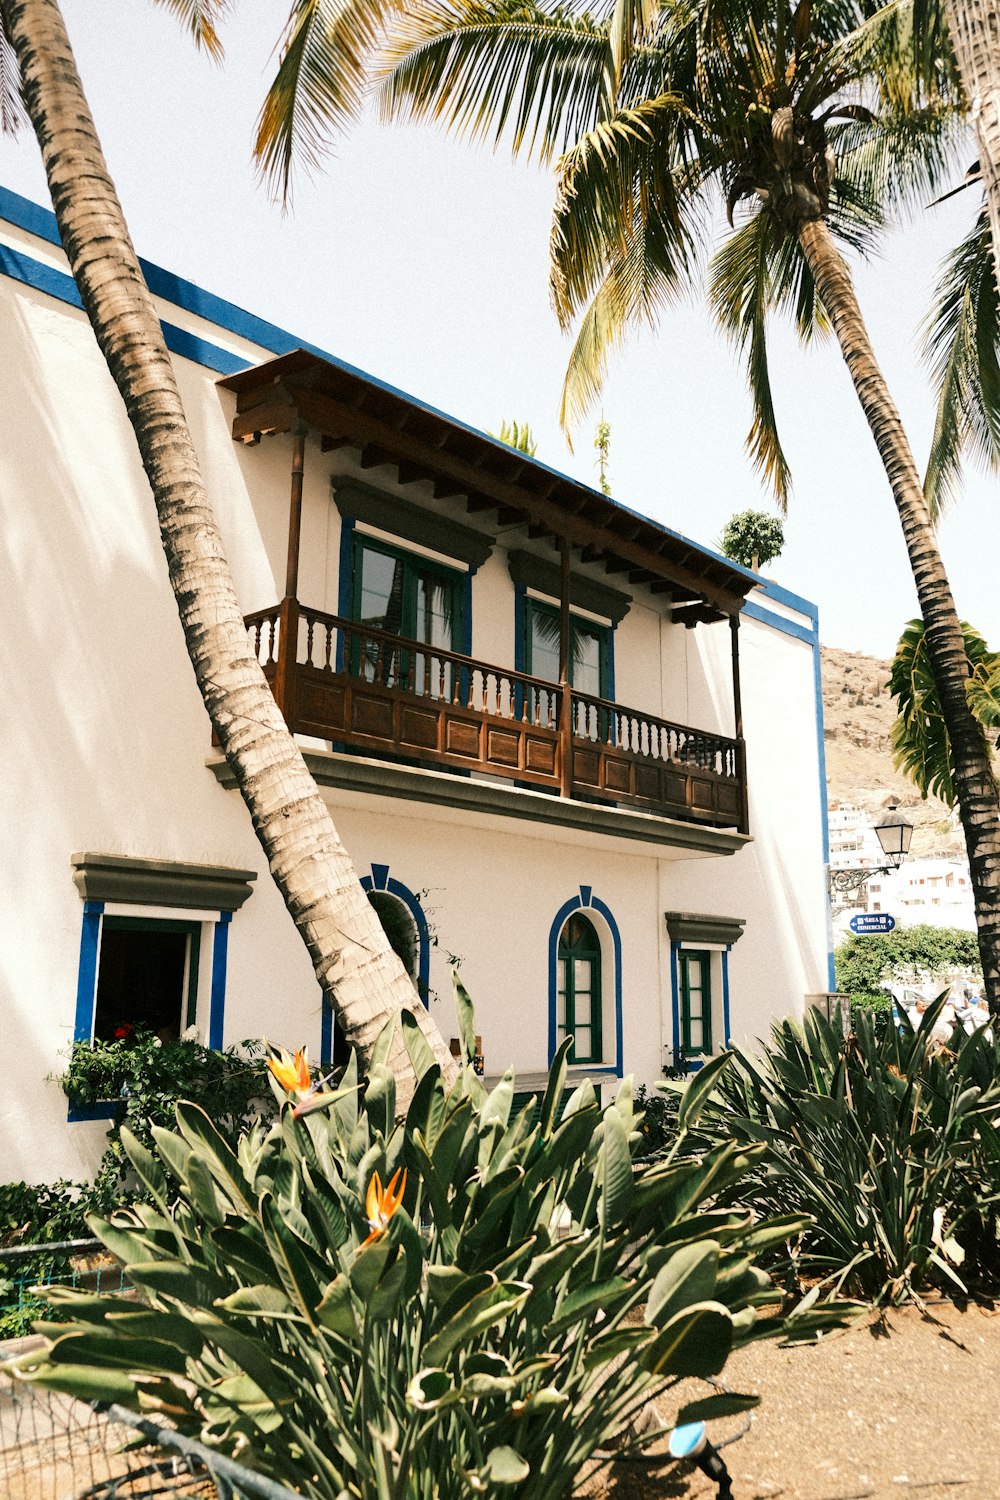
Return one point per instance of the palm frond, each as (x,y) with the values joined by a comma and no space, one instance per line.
(534,75)
(902,159)
(962,345)
(12,115)
(616,177)
(320,84)
(638,284)
(630,25)
(199,18)
(920,743)
(741,288)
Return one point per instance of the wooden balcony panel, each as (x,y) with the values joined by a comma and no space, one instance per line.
(379,693)
(626,756)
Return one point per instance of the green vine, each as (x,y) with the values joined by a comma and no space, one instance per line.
(144,1078)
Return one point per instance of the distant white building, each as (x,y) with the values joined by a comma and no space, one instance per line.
(935,891)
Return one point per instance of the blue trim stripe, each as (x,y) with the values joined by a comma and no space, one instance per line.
(675,1004)
(86,996)
(220,959)
(805,633)
(726,1028)
(326,1035)
(381,880)
(64,289)
(86,979)
(785,596)
(345,582)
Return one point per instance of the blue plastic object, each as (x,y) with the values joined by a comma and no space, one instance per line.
(687,1441)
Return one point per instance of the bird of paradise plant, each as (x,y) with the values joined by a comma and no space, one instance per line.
(485,1322)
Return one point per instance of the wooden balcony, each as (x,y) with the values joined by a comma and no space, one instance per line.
(385,696)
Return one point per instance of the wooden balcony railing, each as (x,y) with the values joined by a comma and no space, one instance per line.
(371,691)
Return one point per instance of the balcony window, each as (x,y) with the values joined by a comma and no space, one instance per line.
(404,595)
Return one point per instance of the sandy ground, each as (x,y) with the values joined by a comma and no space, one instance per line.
(905,1405)
(895,1406)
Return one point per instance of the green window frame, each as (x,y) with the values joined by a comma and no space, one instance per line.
(413,566)
(537,609)
(579,995)
(696,1002)
(188,999)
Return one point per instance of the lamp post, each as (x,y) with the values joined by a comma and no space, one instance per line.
(894,833)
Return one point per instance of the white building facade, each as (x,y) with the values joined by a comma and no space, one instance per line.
(635,855)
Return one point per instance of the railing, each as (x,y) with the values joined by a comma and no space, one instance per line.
(367,689)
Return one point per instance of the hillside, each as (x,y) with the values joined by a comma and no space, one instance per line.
(857,715)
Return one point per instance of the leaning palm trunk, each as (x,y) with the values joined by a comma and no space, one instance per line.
(975,787)
(974,28)
(359,973)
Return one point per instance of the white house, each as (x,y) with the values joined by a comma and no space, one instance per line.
(637,858)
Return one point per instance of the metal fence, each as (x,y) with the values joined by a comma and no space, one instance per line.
(25,1268)
(55,1448)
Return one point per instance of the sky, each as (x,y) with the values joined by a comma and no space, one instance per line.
(424,261)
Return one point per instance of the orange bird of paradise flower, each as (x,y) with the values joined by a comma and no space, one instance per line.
(382,1202)
(292,1073)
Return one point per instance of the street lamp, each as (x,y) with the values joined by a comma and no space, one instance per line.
(894,833)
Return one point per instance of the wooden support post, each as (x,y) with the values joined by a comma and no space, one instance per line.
(285,677)
(565,690)
(295,512)
(734,630)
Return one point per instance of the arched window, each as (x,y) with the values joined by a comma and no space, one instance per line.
(578,993)
(400,928)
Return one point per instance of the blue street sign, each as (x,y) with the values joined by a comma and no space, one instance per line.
(875,921)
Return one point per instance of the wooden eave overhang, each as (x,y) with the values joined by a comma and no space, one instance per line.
(346,408)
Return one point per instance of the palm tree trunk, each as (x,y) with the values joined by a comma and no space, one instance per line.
(359,973)
(974,28)
(972,772)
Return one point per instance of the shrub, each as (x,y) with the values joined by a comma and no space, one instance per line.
(659,1120)
(144,1078)
(472,1326)
(907,954)
(878,1009)
(887,1143)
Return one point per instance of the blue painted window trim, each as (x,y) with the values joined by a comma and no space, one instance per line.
(726,1027)
(586,901)
(675,1006)
(220,961)
(86,994)
(381,880)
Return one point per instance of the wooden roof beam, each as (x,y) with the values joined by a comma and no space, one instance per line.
(326,413)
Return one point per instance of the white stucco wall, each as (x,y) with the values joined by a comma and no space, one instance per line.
(106,742)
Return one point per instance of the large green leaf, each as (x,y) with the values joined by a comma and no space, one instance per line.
(688,1277)
(203,1138)
(617,1188)
(694,1342)
(482,1312)
(700,1089)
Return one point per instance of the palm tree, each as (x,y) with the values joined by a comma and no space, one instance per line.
(359,974)
(664,113)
